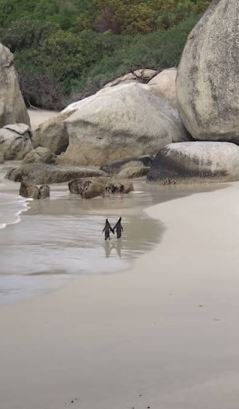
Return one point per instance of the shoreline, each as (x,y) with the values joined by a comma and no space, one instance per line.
(59,227)
(61,238)
(156,335)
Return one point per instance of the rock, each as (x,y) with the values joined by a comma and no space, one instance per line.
(1,158)
(196,160)
(142,75)
(40,155)
(164,85)
(33,191)
(120,122)
(52,134)
(44,191)
(46,174)
(29,190)
(20,129)
(115,186)
(132,170)
(116,166)
(12,106)
(207,82)
(90,188)
(15,141)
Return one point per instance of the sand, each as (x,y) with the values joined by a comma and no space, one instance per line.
(37,116)
(163,334)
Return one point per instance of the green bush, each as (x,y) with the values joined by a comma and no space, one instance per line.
(68,49)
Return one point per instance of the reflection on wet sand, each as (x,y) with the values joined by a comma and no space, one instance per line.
(112,245)
(62,237)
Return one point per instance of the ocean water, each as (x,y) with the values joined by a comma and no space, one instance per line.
(11,208)
(45,243)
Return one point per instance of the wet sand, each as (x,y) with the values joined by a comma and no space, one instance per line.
(163,334)
(59,238)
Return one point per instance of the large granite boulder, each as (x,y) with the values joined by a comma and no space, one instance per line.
(218,160)
(40,155)
(46,174)
(119,122)
(207,81)
(12,106)
(15,141)
(52,134)
(164,85)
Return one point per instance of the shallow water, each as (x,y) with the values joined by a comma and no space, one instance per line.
(61,237)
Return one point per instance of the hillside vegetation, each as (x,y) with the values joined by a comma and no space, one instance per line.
(67,49)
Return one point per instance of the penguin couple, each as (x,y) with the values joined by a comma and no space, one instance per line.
(118,228)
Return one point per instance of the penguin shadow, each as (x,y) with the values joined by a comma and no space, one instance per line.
(113,245)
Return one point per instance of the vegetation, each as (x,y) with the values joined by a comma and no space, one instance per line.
(66,49)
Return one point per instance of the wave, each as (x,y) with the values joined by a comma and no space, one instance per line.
(11,208)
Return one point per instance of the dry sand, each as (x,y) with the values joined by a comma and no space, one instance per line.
(163,335)
(37,116)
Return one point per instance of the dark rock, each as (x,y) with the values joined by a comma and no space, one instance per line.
(46,174)
(29,190)
(88,188)
(33,191)
(44,191)
(195,160)
(93,187)
(116,166)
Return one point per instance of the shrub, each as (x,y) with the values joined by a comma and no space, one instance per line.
(67,49)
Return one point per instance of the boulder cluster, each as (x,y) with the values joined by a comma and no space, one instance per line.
(88,188)
(168,126)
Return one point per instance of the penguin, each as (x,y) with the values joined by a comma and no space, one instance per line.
(107,229)
(118,227)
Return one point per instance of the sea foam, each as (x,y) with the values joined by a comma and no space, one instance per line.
(11,208)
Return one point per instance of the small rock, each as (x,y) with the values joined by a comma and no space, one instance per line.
(93,187)
(44,191)
(40,155)
(32,191)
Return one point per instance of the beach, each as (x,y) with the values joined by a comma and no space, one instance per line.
(38,116)
(161,334)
